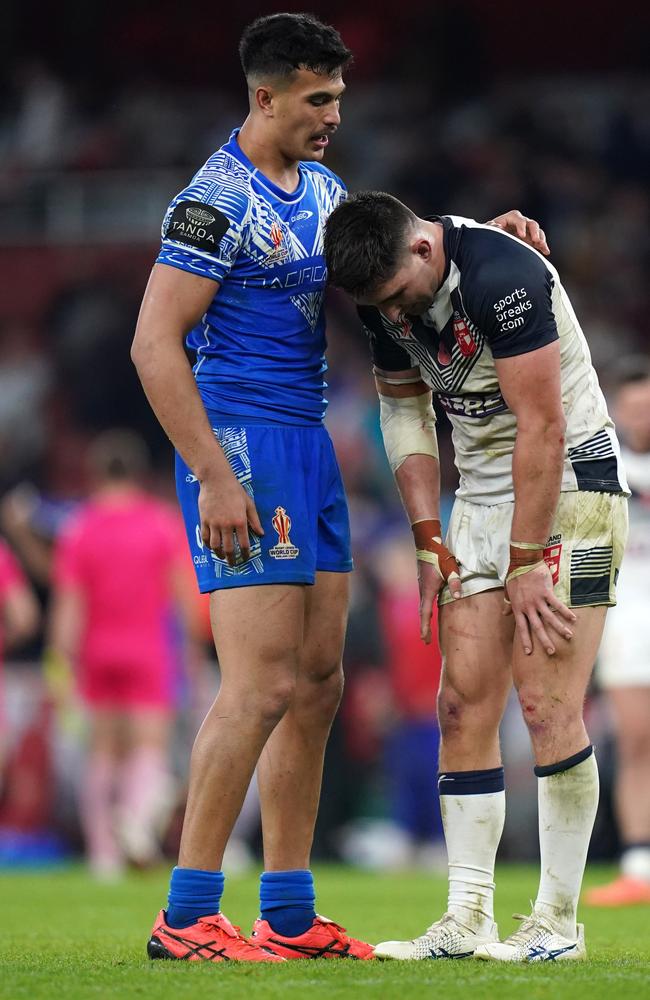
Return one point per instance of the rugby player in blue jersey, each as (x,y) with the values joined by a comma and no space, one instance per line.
(241,272)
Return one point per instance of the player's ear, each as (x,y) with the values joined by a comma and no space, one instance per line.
(422,248)
(263,100)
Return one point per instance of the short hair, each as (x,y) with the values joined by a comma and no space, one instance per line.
(280,44)
(118,456)
(364,240)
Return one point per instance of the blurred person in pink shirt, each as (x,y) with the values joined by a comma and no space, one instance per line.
(19,617)
(120,566)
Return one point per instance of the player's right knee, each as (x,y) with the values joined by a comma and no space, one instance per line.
(457,716)
(271,703)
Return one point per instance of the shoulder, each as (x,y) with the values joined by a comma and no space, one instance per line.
(222,183)
(322,176)
(487,257)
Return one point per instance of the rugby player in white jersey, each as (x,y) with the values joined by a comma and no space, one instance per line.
(241,271)
(623,668)
(530,561)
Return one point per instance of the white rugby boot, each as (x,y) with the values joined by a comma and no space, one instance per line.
(535,941)
(447,938)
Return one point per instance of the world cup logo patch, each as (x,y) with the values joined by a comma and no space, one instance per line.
(283,549)
(466,343)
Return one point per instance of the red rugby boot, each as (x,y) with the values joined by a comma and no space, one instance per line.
(210,939)
(623,891)
(324,939)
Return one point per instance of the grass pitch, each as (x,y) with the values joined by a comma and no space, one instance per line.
(63,937)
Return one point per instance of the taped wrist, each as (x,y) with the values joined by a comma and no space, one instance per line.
(408,427)
(524,556)
(429,547)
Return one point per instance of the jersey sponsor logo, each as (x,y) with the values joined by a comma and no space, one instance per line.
(552,556)
(300,216)
(284,549)
(466,343)
(314,274)
(472,404)
(511,308)
(196,225)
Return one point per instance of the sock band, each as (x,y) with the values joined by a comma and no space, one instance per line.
(287,901)
(471,782)
(546,770)
(193,893)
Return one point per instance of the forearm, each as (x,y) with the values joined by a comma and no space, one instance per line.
(418,482)
(170,387)
(537,465)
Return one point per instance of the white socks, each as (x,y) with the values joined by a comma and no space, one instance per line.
(473,806)
(635,862)
(567,796)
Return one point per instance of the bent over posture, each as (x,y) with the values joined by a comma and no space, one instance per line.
(537,533)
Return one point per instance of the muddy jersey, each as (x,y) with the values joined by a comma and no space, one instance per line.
(499,299)
(260,346)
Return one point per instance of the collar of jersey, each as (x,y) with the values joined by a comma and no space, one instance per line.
(289,197)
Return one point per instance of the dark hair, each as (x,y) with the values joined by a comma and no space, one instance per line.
(118,456)
(364,239)
(279,44)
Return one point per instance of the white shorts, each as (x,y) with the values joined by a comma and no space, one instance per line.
(584,550)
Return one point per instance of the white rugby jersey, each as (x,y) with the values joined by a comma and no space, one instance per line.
(499,298)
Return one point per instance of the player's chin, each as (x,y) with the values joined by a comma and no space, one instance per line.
(313,152)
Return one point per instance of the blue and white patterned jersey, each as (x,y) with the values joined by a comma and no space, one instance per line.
(260,346)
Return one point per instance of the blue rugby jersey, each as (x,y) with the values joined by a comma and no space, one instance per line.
(260,346)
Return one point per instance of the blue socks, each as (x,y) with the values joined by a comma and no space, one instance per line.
(287,901)
(192,894)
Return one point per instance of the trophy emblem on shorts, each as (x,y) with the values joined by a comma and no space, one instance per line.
(283,549)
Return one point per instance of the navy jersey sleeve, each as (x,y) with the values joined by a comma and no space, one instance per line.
(507,292)
(204,227)
(385,353)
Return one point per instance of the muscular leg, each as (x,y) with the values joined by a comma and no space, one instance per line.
(476,642)
(551,691)
(258,635)
(291,766)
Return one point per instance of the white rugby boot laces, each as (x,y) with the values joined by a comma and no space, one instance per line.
(447,938)
(535,941)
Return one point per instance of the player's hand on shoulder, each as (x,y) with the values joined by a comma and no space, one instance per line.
(227,511)
(539,615)
(526,229)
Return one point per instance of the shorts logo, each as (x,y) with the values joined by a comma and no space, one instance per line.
(552,555)
(466,343)
(201,560)
(282,524)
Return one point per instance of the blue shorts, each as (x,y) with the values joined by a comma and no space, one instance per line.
(294,478)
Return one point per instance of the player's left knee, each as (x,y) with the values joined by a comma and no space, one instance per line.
(545,713)
(322,688)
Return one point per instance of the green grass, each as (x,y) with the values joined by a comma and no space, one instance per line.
(62,936)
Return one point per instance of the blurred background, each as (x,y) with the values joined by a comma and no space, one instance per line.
(453,105)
